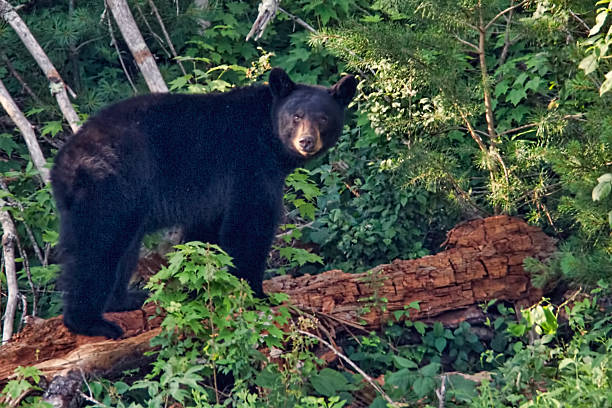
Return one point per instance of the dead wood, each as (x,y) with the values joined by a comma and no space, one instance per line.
(483,261)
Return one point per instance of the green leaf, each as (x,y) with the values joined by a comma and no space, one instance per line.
(420,327)
(605,178)
(430,370)
(534,84)
(180,82)
(267,379)
(501,88)
(600,19)
(423,386)
(607,84)
(516,95)
(601,190)
(329,382)
(401,362)
(121,387)
(440,344)
(565,362)
(7,144)
(589,64)
(53,127)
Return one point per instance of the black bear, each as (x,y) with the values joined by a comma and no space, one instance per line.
(214,164)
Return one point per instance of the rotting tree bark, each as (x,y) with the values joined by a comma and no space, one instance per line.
(483,261)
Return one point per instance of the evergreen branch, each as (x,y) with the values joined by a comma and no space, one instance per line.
(577,116)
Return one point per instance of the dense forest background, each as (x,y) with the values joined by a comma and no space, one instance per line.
(465,109)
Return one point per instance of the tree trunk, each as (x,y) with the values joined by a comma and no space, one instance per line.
(58,87)
(25,127)
(9,237)
(483,262)
(131,34)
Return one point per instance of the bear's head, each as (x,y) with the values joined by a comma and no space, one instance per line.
(308,119)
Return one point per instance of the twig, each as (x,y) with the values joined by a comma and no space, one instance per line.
(84,43)
(501,13)
(8,250)
(504,53)
(92,400)
(365,376)
(299,21)
(26,266)
(114,42)
(581,21)
(18,204)
(469,44)
(19,79)
(168,40)
(530,125)
(299,227)
(441,392)
(24,311)
(153,33)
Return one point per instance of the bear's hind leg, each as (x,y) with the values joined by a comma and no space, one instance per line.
(94,233)
(122,298)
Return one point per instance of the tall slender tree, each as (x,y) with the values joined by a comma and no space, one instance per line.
(133,38)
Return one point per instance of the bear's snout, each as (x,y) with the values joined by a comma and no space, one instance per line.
(307,143)
(307,139)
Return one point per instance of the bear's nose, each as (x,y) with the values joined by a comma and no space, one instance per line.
(307,143)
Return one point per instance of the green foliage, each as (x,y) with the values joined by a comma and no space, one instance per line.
(597,45)
(208,353)
(24,383)
(556,374)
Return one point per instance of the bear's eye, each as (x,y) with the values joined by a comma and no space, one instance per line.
(297,118)
(323,119)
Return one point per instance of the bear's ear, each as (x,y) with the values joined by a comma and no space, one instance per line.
(344,90)
(280,83)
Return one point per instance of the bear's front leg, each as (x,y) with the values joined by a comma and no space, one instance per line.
(246,234)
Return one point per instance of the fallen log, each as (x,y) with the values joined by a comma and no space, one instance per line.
(483,261)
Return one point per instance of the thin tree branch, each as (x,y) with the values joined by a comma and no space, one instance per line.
(365,376)
(581,21)
(469,44)
(501,13)
(531,125)
(114,41)
(84,43)
(25,127)
(153,33)
(18,77)
(441,392)
(137,45)
(504,53)
(299,21)
(8,249)
(168,39)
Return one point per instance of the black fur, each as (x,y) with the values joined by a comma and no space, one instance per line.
(214,164)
